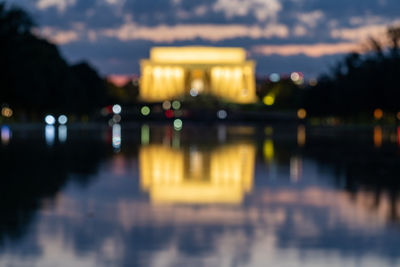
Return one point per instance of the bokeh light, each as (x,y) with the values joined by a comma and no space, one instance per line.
(169,114)
(193,92)
(166,105)
(116,118)
(269,100)
(275,77)
(50,120)
(145,111)
(378,114)
(295,76)
(62,119)
(117,109)
(222,114)
(176,105)
(302,113)
(178,124)
(6,112)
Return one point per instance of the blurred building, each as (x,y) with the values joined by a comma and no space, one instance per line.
(175,71)
(193,176)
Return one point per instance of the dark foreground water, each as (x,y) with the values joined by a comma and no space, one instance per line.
(202,196)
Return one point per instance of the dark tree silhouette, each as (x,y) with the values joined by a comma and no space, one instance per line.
(35,78)
(360,83)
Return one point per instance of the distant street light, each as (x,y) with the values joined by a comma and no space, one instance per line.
(50,120)
(117,109)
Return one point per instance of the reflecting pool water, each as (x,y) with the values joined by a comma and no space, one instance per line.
(209,195)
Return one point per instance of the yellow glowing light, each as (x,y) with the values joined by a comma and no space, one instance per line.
(178,72)
(173,176)
(197,55)
(168,72)
(6,112)
(216,72)
(237,72)
(171,72)
(157,72)
(269,150)
(302,113)
(269,100)
(378,113)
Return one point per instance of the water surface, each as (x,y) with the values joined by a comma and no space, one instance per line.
(209,195)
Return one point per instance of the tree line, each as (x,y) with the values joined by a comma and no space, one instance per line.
(361,82)
(35,78)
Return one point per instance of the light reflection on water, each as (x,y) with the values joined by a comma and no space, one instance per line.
(50,134)
(5,134)
(62,133)
(217,175)
(202,196)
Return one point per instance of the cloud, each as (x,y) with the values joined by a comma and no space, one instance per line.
(61,5)
(299,30)
(115,2)
(261,9)
(184,32)
(200,10)
(59,37)
(311,18)
(362,33)
(312,50)
(366,20)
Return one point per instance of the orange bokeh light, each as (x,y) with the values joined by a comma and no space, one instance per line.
(378,113)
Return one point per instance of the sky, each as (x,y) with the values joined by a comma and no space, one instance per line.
(280,35)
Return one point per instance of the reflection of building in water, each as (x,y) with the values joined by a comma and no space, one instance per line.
(223,175)
(175,71)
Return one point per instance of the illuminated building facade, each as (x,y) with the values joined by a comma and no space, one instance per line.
(223,175)
(172,72)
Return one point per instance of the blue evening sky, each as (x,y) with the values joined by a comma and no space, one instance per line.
(281,35)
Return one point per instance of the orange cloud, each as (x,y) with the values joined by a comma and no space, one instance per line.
(312,50)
